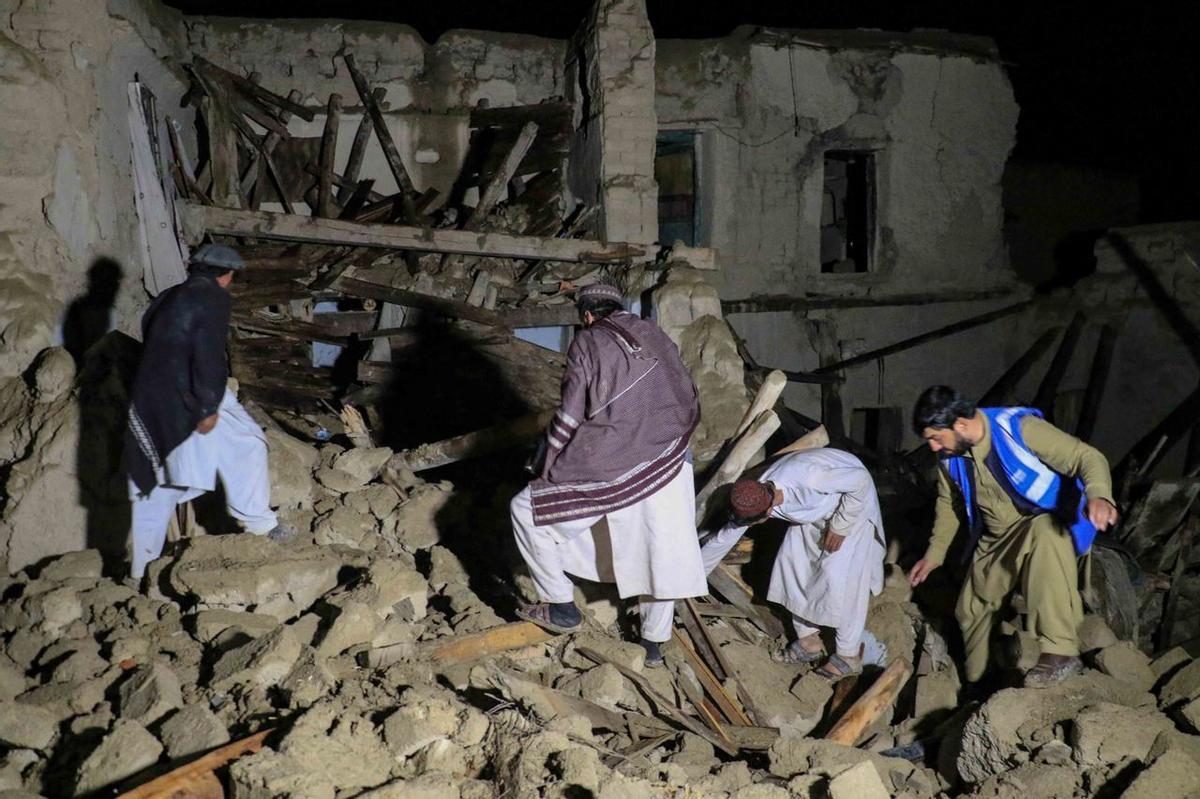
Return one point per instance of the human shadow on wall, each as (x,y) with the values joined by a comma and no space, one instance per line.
(89,316)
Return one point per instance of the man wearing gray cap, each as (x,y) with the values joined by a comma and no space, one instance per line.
(613,500)
(186,427)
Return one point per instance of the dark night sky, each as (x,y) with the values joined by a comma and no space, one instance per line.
(1113,85)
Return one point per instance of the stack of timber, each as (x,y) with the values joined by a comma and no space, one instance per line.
(499,248)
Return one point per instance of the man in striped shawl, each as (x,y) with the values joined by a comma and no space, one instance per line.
(614,500)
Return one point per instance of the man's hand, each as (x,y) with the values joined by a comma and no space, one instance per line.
(1101,513)
(206,424)
(831,541)
(921,571)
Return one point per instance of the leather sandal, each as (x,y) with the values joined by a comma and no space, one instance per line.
(539,614)
(795,654)
(837,668)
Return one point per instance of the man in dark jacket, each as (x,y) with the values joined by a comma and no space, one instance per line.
(617,461)
(185,427)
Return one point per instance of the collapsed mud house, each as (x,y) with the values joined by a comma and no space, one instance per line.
(823,203)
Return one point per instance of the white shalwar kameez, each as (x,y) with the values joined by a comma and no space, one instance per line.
(821,488)
(236,450)
(649,549)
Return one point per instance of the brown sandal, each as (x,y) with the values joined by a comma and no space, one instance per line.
(1051,669)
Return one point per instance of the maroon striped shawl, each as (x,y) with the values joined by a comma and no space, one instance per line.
(622,431)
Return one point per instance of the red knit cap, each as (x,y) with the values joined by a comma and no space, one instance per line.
(750,498)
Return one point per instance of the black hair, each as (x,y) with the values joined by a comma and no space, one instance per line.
(940,407)
(208,270)
(599,306)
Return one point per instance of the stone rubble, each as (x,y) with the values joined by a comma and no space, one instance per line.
(102,687)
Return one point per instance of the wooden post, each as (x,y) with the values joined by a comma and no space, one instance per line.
(395,164)
(764,399)
(751,441)
(497,186)
(1094,395)
(222,143)
(813,439)
(358,148)
(823,335)
(268,161)
(333,118)
(999,392)
(168,783)
(871,705)
(1048,390)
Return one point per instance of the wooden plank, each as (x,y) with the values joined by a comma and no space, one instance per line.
(871,705)
(301,331)
(703,646)
(734,464)
(1097,380)
(358,148)
(222,144)
(719,610)
(333,119)
(664,705)
(465,648)
(708,713)
(778,303)
(384,136)
(522,317)
(498,185)
(254,90)
(1187,538)
(724,582)
(932,335)
(712,686)
(200,220)
(357,199)
(472,445)
(999,392)
(1048,388)
(165,785)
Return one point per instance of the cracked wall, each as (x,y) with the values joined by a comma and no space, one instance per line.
(765,107)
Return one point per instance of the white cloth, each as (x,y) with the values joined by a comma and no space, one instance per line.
(236,450)
(821,487)
(648,549)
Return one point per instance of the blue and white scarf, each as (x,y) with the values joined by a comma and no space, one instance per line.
(1032,485)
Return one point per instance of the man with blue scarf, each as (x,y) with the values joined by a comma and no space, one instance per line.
(1032,498)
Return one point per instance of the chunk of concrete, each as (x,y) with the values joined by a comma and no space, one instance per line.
(54,610)
(937,694)
(354,624)
(12,680)
(414,524)
(1104,734)
(1127,663)
(1094,633)
(150,693)
(390,587)
(1169,662)
(262,662)
(1182,687)
(603,685)
(426,786)
(813,692)
(241,572)
(1181,742)
(291,464)
(79,666)
(348,527)
(625,653)
(125,751)
(208,624)
(85,563)
(25,726)
(362,463)
(1173,775)
(339,744)
(858,782)
(193,729)
(1032,780)
(267,774)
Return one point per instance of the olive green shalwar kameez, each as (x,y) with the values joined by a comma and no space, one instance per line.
(1033,553)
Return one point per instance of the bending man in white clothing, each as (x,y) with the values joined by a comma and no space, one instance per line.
(185,426)
(614,499)
(830,561)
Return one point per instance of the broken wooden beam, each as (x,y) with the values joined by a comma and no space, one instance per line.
(253,89)
(456,309)
(1048,389)
(777,303)
(740,454)
(498,184)
(462,648)
(712,686)
(932,335)
(726,583)
(384,135)
(200,221)
(168,783)
(871,705)
(664,705)
(358,147)
(1097,379)
(472,445)
(333,119)
(999,392)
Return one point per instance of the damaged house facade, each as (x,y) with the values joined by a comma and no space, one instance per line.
(816,219)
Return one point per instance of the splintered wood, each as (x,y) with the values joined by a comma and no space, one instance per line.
(323,240)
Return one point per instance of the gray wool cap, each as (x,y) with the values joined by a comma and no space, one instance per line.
(219,256)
